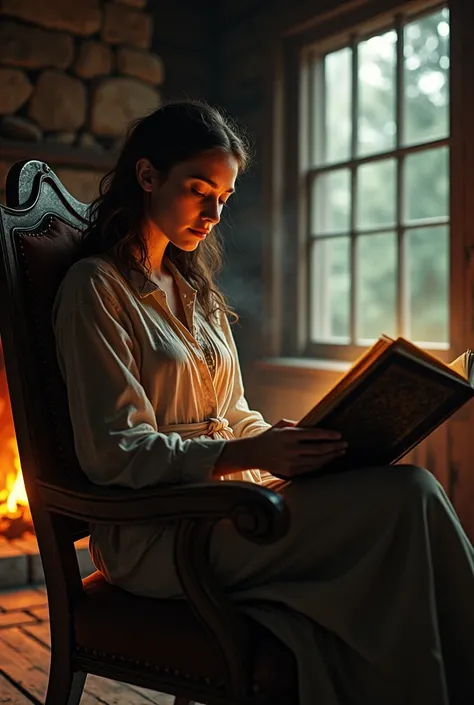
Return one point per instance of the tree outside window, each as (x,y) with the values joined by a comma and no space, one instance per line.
(378,185)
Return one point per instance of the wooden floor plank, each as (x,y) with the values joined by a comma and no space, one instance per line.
(27,662)
(21,598)
(41,613)
(39,631)
(12,619)
(112,692)
(9,695)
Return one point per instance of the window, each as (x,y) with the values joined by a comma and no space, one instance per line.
(375,157)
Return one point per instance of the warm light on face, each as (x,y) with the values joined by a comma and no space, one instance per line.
(185,207)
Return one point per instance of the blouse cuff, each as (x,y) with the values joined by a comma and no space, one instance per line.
(200,459)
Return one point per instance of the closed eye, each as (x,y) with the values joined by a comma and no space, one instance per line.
(200,194)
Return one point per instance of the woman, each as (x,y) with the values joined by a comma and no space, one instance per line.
(373,587)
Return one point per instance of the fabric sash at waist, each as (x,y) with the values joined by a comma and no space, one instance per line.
(214,427)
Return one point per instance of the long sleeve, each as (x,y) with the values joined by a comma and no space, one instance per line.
(115,429)
(243,420)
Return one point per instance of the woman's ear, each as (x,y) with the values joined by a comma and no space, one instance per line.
(146,174)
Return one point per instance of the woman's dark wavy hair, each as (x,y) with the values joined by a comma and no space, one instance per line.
(171,134)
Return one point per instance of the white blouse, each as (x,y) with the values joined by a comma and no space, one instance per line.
(150,399)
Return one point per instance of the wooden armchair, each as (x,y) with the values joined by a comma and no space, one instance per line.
(197,649)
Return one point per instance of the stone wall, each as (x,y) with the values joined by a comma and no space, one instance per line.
(74,73)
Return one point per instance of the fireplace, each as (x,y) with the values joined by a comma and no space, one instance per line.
(15,517)
(20,562)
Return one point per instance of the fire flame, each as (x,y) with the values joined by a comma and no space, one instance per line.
(15,515)
(13,496)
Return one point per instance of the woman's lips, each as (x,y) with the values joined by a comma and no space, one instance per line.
(201,234)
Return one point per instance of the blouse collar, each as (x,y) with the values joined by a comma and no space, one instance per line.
(144,285)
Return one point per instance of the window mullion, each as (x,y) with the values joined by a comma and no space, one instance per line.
(354,176)
(318,130)
(396,153)
(402,280)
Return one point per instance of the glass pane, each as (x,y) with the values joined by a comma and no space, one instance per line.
(377,126)
(376,194)
(376,286)
(427,295)
(331,202)
(335,143)
(426,72)
(427,184)
(330,290)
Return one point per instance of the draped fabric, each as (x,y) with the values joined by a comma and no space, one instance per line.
(144,405)
(372,587)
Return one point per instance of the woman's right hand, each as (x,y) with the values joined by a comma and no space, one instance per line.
(283,452)
(288,452)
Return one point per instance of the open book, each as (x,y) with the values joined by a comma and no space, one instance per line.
(392,398)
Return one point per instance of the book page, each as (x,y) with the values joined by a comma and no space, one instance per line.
(430,359)
(469,363)
(459,365)
(464,365)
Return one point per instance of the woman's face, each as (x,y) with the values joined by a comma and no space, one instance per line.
(186,205)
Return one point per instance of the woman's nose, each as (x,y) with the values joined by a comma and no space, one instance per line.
(212,211)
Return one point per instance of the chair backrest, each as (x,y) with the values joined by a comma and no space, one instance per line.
(39,235)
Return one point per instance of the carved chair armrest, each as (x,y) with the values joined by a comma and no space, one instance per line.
(258,514)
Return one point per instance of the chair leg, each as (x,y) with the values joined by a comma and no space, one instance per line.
(65,688)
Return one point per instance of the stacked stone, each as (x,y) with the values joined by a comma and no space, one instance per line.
(75,72)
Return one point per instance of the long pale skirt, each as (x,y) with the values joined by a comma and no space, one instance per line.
(372,588)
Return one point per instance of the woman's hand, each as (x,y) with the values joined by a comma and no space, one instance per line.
(283,450)
(287,451)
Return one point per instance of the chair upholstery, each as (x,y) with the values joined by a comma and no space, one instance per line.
(47,251)
(111,621)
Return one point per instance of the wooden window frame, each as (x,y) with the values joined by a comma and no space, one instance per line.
(286,254)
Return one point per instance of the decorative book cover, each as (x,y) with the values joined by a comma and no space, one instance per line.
(390,400)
